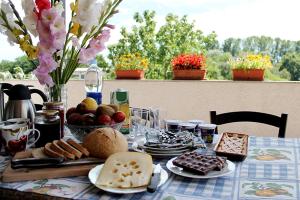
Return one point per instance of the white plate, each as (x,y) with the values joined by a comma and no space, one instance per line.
(94,173)
(157,155)
(228,169)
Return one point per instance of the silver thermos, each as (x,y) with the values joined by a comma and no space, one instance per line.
(19,104)
(3,86)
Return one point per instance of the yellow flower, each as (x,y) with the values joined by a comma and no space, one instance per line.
(17,32)
(74,7)
(32,52)
(75,28)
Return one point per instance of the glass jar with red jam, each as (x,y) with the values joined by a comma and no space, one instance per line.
(59,106)
(48,123)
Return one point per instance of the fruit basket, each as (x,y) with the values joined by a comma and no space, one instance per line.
(79,131)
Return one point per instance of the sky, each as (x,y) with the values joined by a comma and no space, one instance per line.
(228,18)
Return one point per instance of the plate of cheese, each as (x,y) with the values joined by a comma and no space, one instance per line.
(125,173)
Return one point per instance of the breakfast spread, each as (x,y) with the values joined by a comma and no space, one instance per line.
(234,146)
(103,142)
(199,164)
(126,170)
(69,150)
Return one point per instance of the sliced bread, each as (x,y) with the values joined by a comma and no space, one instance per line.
(77,146)
(49,152)
(69,148)
(55,147)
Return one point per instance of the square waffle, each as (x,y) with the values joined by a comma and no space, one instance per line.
(198,163)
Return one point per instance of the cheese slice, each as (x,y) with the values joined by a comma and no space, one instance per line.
(126,170)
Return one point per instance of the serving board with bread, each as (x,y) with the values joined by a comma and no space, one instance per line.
(99,144)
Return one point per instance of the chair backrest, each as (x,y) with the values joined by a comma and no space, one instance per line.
(248,116)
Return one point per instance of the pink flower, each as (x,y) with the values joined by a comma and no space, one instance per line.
(96,45)
(48,16)
(110,26)
(57,26)
(47,63)
(44,78)
(75,42)
(87,55)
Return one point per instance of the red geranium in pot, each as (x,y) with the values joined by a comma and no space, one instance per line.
(189,67)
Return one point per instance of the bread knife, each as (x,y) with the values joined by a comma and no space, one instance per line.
(51,162)
(155,179)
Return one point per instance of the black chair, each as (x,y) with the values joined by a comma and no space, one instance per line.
(248,116)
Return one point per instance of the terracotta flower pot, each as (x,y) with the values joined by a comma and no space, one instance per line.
(198,74)
(248,74)
(130,74)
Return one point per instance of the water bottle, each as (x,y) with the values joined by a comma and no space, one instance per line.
(93,82)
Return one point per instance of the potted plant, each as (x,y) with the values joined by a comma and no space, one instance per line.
(131,66)
(189,66)
(250,67)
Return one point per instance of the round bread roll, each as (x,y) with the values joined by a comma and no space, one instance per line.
(103,142)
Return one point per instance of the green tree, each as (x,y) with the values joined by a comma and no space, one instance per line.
(217,65)
(176,36)
(291,62)
(232,46)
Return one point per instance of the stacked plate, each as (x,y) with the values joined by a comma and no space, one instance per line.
(165,144)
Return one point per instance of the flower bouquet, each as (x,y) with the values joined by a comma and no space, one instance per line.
(131,66)
(189,66)
(250,67)
(59,49)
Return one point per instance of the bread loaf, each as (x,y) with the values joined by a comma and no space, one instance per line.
(103,142)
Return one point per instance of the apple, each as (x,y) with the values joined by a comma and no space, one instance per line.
(70,111)
(75,119)
(103,120)
(81,108)
(119,117)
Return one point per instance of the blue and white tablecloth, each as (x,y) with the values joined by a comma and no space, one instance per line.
(271,171)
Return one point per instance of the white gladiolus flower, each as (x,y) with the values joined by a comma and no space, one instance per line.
(9,13)
(88,14)
(30,18)
(11,38)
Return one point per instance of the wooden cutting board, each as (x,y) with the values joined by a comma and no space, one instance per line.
(15,175)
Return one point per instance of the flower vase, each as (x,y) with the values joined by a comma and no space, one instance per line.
(57,93)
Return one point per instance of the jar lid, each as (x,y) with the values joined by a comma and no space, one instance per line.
(207,126)
(187,125)
(173,122)
(196,121)
(56,103)
(47,113)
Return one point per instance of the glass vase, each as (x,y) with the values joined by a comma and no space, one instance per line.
(57,93)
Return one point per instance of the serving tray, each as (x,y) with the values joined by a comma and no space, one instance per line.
(234,146)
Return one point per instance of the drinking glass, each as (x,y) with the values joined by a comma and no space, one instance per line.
(139,121)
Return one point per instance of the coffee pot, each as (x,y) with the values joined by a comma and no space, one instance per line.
(3,86)
(19,104)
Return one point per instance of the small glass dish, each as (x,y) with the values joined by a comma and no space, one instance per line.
(80,131)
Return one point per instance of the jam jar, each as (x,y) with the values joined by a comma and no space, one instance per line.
(173,125)
(48,123)
(59,106)
(188,127)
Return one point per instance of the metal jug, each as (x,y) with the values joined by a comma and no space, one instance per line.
(3,86)
(19,104)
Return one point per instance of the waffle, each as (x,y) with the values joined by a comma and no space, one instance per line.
(199,164)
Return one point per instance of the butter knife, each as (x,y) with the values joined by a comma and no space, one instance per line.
(155,179)
(51,162)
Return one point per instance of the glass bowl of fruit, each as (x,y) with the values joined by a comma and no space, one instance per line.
(82,120)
